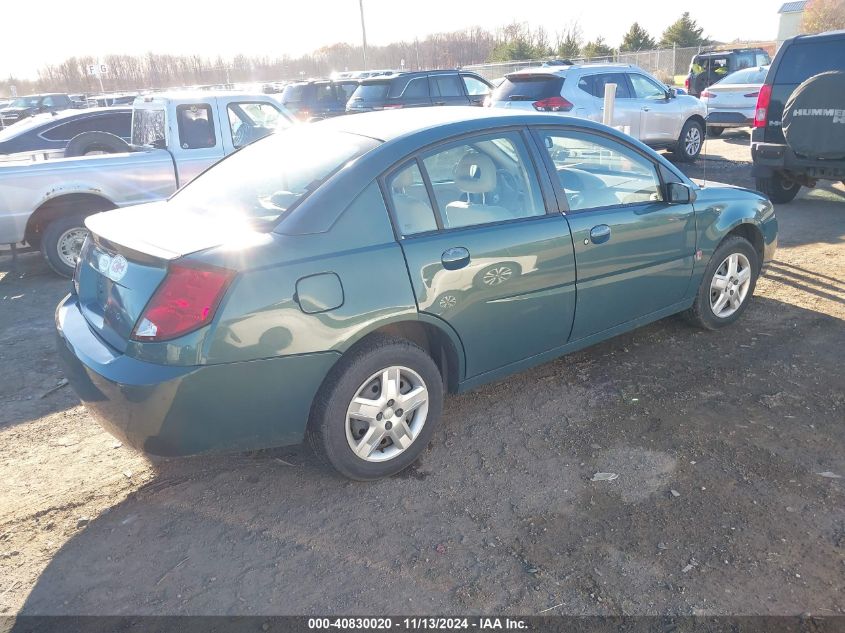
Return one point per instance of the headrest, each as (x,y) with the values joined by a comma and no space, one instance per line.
(404,178)
(475,173)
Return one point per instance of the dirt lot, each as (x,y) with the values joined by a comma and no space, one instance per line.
(718,439)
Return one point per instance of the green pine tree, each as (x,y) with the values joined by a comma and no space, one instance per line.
(637,39)
(683,32)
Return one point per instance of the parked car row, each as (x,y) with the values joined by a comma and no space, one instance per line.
(382,90)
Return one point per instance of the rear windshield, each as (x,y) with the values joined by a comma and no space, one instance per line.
(371,91)
(528,88)
(295,93)
(802,61)
(263,181)
(147,126)
(746,76)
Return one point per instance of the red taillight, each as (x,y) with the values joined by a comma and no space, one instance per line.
(686,84)
(553,104)
(708,95)
(761,113)
(185,301)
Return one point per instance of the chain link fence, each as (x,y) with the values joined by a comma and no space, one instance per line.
(663,63)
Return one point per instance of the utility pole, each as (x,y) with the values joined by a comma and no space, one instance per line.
(363,33)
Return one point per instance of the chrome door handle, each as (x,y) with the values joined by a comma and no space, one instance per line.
(454,258)
(600,234)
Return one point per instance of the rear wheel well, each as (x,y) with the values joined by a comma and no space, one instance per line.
(74,203)
(434,341)
(751,233)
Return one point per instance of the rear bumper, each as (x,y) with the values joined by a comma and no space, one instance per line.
(729,119)
(171,410)
(779,157)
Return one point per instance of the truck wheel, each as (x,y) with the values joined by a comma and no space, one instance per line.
(778,189)
(95,142)
(377,410)
(727,285)
(713,132)
(62,241)
(690,142)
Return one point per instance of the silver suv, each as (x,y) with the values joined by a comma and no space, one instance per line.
(645,108)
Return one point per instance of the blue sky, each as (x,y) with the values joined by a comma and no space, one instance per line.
(96,27)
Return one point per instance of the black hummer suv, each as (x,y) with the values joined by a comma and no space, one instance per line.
(798,136)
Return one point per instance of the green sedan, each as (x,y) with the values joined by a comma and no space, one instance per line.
(335,281)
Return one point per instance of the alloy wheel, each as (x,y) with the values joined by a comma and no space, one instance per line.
(692,141)
(730,284)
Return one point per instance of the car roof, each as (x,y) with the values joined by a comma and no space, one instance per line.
(390,125)
(820,36)
(196,95)
(729,51)
(561,71)
(413,73)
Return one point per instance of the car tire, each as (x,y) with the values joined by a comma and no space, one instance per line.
(369,372)
(713,132)
(778,189)
(60,239)
(725,292)
(89,142)
(690,142)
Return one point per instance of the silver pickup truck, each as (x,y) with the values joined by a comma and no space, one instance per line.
(175,136)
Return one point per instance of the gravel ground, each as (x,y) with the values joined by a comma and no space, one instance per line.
(725,444)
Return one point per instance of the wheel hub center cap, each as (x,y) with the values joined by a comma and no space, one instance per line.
(388,412)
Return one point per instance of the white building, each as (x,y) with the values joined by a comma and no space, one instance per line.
(791,15)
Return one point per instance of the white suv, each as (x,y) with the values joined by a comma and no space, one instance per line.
(645,108)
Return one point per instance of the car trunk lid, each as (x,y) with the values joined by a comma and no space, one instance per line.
(733,96)
(127,256)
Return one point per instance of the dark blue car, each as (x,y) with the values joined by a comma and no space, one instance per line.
(53,131)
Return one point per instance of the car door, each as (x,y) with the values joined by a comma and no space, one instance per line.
(476,89)
(626,112)
(633,251)
(486,250)
(199,145)
(660,117)
(447,89)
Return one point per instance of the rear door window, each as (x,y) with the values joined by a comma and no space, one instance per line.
(148,126)
(446,86)
(804,60)
(743,60)
(528,87)
(417,88)
(196,126)
(411,203)
(595,85)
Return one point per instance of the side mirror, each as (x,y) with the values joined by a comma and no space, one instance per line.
(671,93)
(679,193)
